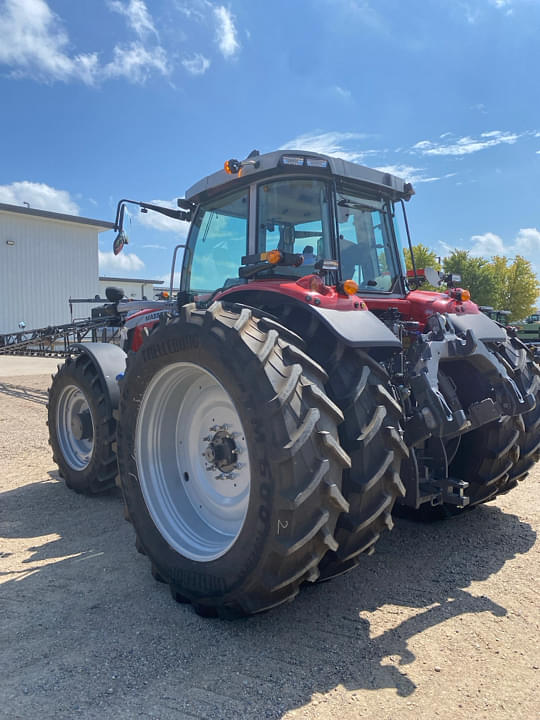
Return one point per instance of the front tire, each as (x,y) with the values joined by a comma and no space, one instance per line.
(229,458)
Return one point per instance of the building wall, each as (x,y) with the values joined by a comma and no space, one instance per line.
(134,290)
(50,261)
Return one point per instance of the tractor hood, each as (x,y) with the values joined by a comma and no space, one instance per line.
(423,304)
(420,305)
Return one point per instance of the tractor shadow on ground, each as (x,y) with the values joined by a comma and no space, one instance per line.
(24,393)
(88,596)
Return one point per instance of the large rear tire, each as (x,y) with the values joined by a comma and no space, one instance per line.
(372,436)
(230,462)
(485,459)
(493,458)
(522,362)
(82,427)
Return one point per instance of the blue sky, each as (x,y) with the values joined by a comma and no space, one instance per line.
(103,99)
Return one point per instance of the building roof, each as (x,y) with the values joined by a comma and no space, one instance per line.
(104,278)
(103,224)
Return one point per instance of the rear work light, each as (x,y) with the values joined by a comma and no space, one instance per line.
(349,287)
(316,162)
(301,161)
(292,160)
(272,256)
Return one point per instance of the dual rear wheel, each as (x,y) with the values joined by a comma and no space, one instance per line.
(237,474)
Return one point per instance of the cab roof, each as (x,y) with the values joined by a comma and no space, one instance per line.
(272,164)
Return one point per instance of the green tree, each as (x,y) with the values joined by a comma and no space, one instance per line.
(477,276)
(517,286)
(502,283)
(423,258)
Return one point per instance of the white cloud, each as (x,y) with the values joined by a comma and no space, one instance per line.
(197,65)
(126,262)
(190,12)
(136,62)
(166,277)
(467,145)
(505,5)
(527,242)
(409,173)
(487,245)
(137,16)
(157,221)
(361,11)
(34,43)
(343,92)
(225,32)
(40,196)
(328,143)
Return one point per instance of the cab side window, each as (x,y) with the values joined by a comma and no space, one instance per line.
(218,242)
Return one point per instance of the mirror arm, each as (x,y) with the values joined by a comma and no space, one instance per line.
(175,214)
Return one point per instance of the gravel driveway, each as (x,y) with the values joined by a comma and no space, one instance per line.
(441,622)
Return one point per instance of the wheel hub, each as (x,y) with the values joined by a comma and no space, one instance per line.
(75,427)
(221,453)
(188,438)
(81,425)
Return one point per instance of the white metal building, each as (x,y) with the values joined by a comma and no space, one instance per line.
(134,288)
(45,258)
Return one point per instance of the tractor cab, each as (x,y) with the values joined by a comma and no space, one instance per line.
(286,215)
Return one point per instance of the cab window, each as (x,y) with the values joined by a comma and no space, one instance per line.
(218,242)
(294,217)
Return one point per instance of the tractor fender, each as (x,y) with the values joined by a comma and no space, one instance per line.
(483,327)
(109,361)
(357,328)
(360,329)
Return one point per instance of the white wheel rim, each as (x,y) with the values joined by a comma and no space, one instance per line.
(198,507)
(75,428)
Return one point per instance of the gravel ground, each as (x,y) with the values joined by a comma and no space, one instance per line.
(441,622)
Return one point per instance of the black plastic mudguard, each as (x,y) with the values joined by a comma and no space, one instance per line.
(358,329)
(483,327)
(110,361)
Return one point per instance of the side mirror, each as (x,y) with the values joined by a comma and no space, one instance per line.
(119,241)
